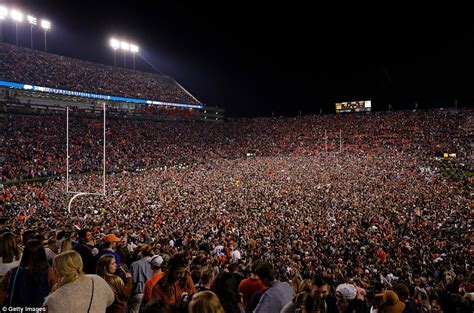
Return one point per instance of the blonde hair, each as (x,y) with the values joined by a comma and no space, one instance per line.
(205,302)
(68,266)
(114,281)
(66,245)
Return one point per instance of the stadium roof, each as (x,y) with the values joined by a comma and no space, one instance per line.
(258,59)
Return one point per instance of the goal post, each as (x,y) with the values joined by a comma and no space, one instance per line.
(81,193)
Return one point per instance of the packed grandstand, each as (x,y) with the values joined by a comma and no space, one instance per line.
(372,206)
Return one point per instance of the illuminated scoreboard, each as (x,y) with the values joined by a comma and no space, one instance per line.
(354,106)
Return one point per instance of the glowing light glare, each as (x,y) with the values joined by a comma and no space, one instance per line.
(31,20)
(125,46)
(45,24)
(134,48)
(3,12)
(114,43)
(17,15)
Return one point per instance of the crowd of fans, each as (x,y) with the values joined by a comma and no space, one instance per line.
(372,225)
(35,146)
(34,67)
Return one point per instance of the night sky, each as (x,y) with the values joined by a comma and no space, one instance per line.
(257,59)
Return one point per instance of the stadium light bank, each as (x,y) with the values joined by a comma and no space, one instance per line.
(33,22)
(125,47)
(17,16)
(3,15)
(46,26)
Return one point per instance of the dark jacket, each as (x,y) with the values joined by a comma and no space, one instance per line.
(87,257)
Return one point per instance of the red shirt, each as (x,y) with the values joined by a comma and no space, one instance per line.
(248,287)
(382,256)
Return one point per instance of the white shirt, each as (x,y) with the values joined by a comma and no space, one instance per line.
(218,250)
(5,267)
(236,256)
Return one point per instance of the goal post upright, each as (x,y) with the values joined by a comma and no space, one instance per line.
(80,193)
(67,149)
(103,169)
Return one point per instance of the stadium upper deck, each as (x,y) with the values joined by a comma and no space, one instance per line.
(33,67)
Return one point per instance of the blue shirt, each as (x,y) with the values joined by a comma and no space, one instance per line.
(141,272)
(275,298)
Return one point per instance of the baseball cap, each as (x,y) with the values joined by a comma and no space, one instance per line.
(111,238)
(346,291)
(156,261)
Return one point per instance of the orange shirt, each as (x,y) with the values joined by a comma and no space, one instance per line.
(149,285)
(173,296)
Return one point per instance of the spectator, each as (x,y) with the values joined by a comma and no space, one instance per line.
(206,280)
(391,303)
(225,287)
(84,248)
(10,254)
(349,300)
(249,286)
(106,268)
(278,293)
(141,271)
(321,289)
(109,247)
(156,263)
(30,282)
(176,287)
(76,292)
(205,302)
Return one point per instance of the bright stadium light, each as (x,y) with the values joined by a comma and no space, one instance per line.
(45,25)
(125,46)
(134,48)
(17,16)
(33,22)
(3,12)
(115,44)
(3,15)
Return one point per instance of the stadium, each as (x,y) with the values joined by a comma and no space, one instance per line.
(122,192)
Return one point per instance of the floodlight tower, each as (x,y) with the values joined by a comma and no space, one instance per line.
(45,25)
(115,44)
(33,22)
(3,15)
(134,50)
(17,16)
(125,47)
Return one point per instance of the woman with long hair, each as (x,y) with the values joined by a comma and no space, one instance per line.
(76,292)
(176,287)
(9,253)
(226,288)
(106,268)
(9,258)
(30,282)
